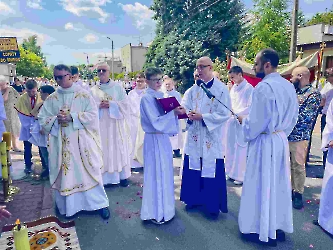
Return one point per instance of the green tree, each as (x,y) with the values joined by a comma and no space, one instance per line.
(187,30)
(48,72)
(31,44)
(325,18)
(30,64)
(269,27)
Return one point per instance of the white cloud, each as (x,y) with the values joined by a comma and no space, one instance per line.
(313,1)
(34,4)
(95,57)
(141,14)
(5,9)
(90,38)
(23,34)
(70,26)
(90,8)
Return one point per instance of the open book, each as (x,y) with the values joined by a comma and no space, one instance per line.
(168,104)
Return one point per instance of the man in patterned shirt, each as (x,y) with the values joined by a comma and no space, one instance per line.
(309,100)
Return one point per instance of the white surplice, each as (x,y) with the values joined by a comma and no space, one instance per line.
(75,151)
(2,118)
(158,200)
(205,141)
(326,199)
(266,196)
(115,131)
(137,133)
(236,147)
(176,140)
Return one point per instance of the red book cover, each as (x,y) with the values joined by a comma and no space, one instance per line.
(168,104)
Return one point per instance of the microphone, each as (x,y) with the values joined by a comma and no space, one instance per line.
(209,94)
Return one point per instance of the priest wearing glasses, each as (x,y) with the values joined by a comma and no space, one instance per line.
(203,181)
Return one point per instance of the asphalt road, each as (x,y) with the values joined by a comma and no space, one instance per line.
(192,230)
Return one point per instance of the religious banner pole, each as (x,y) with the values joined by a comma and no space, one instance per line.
(227,52)
(321,54)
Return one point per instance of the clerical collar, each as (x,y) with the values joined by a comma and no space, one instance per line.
(209,84)
(104,82)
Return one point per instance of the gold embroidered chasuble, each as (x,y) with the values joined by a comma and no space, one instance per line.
(114,126)
(23,105)
(75,151)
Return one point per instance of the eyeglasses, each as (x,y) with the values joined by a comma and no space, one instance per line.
(202,66)
(60,77)
(156,80)
(101,70)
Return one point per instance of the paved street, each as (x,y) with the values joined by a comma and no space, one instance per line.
(189,230)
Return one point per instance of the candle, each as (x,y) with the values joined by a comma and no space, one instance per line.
(21,239)
(3,154)
(7,137)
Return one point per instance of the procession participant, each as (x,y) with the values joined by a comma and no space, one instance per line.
(12,123)
(177,139)
(114,110)
(158,201)
(236,147)
(18,86)
(77,80)
(217,75)
(2,117)
(38,137)
(70,117)
(25,104)
(326,205)
(137,133)
(265,203)
(203,180)
(309,100)
(327,96)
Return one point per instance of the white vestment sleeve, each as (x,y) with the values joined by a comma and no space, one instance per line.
(76,122)
(114,111)
(328,131)
(186,101)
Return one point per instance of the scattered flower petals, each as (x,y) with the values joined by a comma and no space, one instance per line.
(138,193)
(117,202)
(318,202)
(157,238)
(308,201)
(140,197)
(311,246)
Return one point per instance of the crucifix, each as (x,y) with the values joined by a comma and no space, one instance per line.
(321,54)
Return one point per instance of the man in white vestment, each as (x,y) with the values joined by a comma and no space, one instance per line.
(236,147)
(77,80)
(177,139)
(326,199)
(70,117)
(137,133)
(266,196)
(203,180)
(114,111)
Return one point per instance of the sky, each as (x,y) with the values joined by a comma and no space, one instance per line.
(69,30)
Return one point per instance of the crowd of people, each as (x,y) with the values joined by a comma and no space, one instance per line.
(92,136)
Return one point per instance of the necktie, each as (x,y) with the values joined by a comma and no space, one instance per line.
(32,101)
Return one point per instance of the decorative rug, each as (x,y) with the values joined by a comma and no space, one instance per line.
(47,233)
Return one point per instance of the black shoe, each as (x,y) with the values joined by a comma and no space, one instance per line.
(45,175)
(27,171)
(177,154)
(105,213)
(157,222)
(124,183)
(315,222)
(280,235)
(298,201)
(190,207)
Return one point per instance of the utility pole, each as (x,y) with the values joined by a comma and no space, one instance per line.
(293,42)
(112,66)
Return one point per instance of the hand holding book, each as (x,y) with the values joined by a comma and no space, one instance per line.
(170,103)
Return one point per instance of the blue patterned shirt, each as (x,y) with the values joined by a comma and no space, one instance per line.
(309,100)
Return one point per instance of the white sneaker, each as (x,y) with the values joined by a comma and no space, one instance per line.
(238,182)
(227,177)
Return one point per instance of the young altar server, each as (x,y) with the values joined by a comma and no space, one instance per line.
(158,202)
(266,208)
(203,181)
(137,133)
(25,104)
(326,199)
(177,139)
(114,110)
(38,137)
(70,117)
(236,147)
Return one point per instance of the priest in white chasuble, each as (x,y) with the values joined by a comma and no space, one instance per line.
(114,111)
(203,180)
(70,117)
(326,198)
(137,133)
(236,147)
(266,207)
(177,139)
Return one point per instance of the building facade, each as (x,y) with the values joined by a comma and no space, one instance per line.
(133,57)
(8,70)
(311,37)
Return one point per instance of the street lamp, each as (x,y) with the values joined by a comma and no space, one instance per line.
(87,58)
(112,58)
